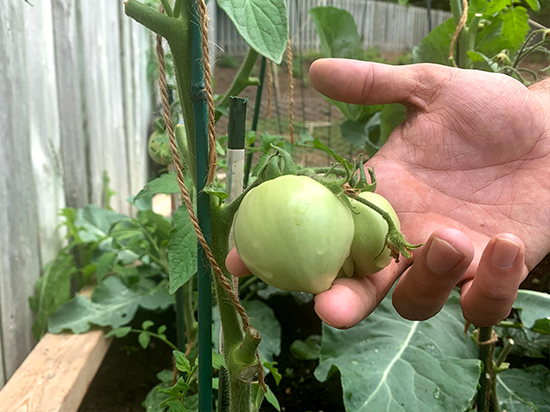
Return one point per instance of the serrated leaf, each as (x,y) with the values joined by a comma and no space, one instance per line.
(144,338)
(337,32)
(524,390)
(113,304)
(310,349)
(147,324)
(533,306)
(182,363)
(119,332)
(263,24)
(391,364)
(182,250)
(166,184)
(515,26)
(94,222)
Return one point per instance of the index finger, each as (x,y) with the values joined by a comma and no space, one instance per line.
(367,83)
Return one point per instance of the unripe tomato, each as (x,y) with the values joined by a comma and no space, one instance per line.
(370,235)
(159,148)
(293,233)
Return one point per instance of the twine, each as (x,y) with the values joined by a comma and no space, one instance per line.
(163,87)
(459,27)
(269,81)
(494,339)
(212,155)
(290,91)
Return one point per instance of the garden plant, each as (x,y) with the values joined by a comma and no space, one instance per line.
(331,223)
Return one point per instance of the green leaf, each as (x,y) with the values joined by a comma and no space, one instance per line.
(391,116)
(310,349)
(515,26)
(218,360)
(337,32)
(533,4)
(264,320)
(175,406)
(52,289)
(274,371)
(182,363)
(144,338)
(497,5)
(263,24)
(104,264)
(364,133)
(387,363)
(272,399)
(532,306)
(524,390)
(147,324)
(182,250)
(434,48)
(113,304)
(166,183)
(119,332)
(94,222)
(542,326)
(161,329)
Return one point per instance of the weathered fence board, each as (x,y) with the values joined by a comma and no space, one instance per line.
(387,26)
(75,101)
(19,246)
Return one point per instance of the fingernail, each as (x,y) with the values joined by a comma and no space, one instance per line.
(442,257)
(504,253)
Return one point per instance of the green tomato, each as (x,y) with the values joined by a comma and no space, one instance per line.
(370,235)
(293,233)
(159,148)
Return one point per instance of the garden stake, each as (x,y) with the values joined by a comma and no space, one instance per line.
(257,107)
(203,212)
(290,91)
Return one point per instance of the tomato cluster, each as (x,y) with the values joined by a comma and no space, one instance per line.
(295,234)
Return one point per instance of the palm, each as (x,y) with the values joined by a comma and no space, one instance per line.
(454,163)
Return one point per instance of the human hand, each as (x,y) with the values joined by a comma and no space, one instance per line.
(468,173)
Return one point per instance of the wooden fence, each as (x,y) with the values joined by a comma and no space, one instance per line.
(387,26)
(74,102)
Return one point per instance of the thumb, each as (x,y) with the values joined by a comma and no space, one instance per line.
(361,82)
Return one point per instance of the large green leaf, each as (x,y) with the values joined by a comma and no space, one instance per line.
(52,289)
(264,320)
(434,48)
(263,24)
(533,306)
(94,222)
(113,304)
(182,250)
(166,183)
(337,32)
(524,390)
(391,116)
(497,5)
(391,364)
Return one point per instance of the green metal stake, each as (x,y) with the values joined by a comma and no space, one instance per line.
(257,106)
(203,213)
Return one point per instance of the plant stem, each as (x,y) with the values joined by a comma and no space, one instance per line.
(486,378)
(167,8)
(462,41)
(177,8)
(241,80)
(155,335)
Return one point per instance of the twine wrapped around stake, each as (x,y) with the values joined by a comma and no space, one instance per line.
(233,295)
(459,27)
